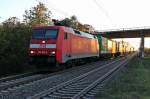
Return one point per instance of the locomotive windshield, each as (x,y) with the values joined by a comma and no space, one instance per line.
(44,34)
(51,34)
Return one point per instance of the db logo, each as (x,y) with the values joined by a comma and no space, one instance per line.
(42,45)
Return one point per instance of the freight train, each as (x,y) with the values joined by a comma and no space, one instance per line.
(60,45)
(112,48)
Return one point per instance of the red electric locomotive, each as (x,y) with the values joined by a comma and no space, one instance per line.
(59,44)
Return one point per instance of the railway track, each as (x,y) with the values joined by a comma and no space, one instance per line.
(80,86)
(57,82)
(21,81)
(9,78)
(14,81)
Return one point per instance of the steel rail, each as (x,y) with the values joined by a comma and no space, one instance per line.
(26,90)
(42,94)
(101,79)
(4,79)
(16,80)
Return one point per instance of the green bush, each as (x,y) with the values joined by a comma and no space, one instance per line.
(14,42)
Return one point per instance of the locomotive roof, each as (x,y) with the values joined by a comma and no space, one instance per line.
(48,27)
(67,29)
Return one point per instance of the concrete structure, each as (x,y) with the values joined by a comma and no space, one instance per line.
(128,33)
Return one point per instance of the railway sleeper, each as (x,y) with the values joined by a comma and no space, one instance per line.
(74,88)
(11,89)
(90,97)
(69,92)
(95,91)
(78,86)
(91,93)
(62,95)
(54,97)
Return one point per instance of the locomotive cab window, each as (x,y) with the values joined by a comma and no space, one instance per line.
(38,34)
(65,36)
(52,34)
(44,34)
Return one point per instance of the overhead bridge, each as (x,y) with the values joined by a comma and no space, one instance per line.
(128,33)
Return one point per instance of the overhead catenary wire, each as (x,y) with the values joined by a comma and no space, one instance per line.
(54,8)
(65,14)
(104,11)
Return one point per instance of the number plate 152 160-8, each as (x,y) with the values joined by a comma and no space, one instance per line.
(42,45)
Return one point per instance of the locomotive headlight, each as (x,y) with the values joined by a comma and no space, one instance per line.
(31,52)
(43,41)
(53,52)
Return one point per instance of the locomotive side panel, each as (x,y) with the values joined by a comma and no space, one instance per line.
(83,47)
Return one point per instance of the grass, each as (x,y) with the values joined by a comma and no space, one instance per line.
(147,52)
(133,84)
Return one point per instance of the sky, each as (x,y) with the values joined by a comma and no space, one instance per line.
(101,14)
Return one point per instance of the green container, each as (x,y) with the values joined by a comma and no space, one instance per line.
(103,44)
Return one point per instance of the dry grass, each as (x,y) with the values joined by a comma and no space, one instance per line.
(134,84)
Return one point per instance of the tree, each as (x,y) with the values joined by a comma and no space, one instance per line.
(11,22)
(74,21)
(69,22)
(74,18)
(39,15)
(14,42)
(65,22)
